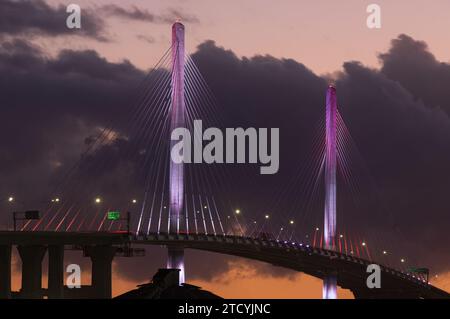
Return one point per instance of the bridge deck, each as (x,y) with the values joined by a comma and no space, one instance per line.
(314,261)
(62,238)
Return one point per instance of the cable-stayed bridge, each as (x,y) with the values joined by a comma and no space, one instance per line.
(126,189)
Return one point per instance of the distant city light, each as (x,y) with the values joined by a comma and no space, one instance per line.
(205,207)
(98,200)
(363,243)
(317,228)
(267,216)
(402,260)
(291,222)
(238,211)
(134,201)
(384,252)
(10,199)
(341,236)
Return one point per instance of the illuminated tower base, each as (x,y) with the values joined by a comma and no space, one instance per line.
(176,170)
(329,288)
(175,260)
(329,232)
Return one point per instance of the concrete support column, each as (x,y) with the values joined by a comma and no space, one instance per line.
(101,257)
(56,271)
(31,270)
(5,272)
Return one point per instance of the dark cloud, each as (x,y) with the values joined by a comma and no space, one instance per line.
(404,143)
(30,18)
(36,17)
(138,14)
(411,63)
(54,105)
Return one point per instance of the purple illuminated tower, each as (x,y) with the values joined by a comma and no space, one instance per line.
(329,232)
(176,172)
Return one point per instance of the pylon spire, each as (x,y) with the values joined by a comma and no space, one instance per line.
(329,232)
(176,172)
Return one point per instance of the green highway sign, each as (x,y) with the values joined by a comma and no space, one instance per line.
(113,215)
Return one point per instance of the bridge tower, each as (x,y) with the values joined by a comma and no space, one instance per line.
(176,170)
(329,232)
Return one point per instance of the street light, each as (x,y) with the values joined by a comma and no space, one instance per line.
(267,216)
(134,201)
(98,200)
(384,252)
(291,222)
(237,211)
(10,199)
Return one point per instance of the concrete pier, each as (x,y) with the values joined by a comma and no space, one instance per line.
(31,256)
(5,271)
(56,271)
(101,257)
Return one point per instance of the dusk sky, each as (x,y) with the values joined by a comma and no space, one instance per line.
(321,34)
(268,63)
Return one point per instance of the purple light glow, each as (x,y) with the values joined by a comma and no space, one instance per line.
(175,260)
(329,289)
